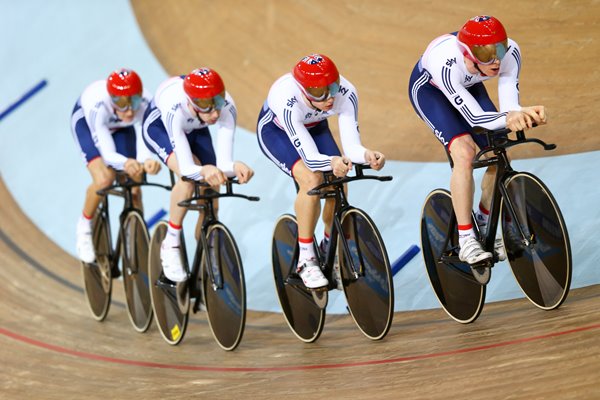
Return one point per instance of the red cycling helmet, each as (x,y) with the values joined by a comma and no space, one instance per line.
(203,83)
(482,30)
(315,71)
(124,82)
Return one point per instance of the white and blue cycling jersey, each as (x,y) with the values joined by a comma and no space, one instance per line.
(287,127)
(451,100)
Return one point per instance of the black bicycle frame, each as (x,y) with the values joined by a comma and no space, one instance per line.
(341,206)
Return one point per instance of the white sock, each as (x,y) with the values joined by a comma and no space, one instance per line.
(84,225)
(482,216)
(307,249)
(465,232)
(173,237)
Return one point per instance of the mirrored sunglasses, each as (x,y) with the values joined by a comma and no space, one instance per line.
(323,93)
(124,103)
(500,53)
(206,106)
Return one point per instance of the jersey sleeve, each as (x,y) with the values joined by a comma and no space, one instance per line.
(291,119)
(448,79)
(348,122)
(225,138)
(97,120)
(187,167)
(142,152)
(508,81)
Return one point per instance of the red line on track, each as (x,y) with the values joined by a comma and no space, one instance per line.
(149,364)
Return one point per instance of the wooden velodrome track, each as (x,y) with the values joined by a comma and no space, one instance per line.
(50,348)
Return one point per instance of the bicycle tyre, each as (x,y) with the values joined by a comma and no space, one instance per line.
(370,296)
(171,317)
(97,276)
(226,303)
(461,297)
(134,256)
(302,314)
(544,270)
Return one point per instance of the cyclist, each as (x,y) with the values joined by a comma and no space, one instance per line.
(102,123)
(176,129)
(447,92)
(293,133)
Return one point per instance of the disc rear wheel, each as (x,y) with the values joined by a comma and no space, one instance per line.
(97,276)
(459,294)
(170,302)
(304,317)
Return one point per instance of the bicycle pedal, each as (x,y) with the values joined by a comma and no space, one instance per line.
(483,264)
(164,283)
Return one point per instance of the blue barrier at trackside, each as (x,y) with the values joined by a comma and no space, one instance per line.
(405,258)
(155,218)
(23,98)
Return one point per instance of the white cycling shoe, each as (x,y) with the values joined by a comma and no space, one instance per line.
(172,264)
(499,249)
(311,274)
(85,247)
(472,253)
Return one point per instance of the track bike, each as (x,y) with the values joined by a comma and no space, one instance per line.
(534,237)
(131,249)
(364,267)
(215,280)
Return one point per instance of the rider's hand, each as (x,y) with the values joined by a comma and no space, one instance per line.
(213,175)
(375,159)
(151,166)
(133,168)
(340,166)
(243,172)
(518,121)
(538,113)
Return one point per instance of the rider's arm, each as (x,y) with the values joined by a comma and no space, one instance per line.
(181,147)
(227,123)
(97,120)
(508,80)
(348,122)
(142,152)
(301,139)
(448,79)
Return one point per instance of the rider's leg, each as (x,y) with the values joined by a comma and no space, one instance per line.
(307,210)
(170,248)
(307,207)
(487,190)
(462,150)
(101,177)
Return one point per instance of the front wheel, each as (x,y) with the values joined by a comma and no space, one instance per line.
(170,302)
(134,253)
(97,276)
(225,293)
(304,317)
(543,266)
(459,294)
(366,274)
